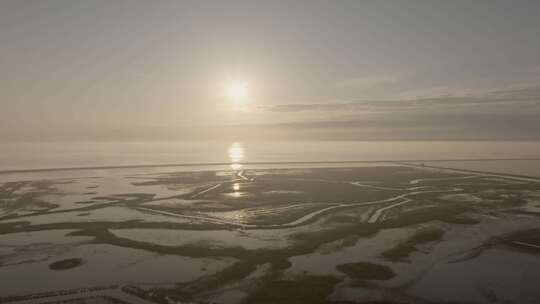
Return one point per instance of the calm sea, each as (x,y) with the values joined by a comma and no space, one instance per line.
(15,156)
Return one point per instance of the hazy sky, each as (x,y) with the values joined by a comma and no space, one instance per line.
(155,70)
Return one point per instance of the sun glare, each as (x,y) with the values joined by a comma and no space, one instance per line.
(237,92)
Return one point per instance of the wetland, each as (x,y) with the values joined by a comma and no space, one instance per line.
(390,233)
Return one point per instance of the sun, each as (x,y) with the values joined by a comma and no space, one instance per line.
(237,92)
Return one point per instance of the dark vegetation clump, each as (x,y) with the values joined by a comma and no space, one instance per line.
(461,220)
(328,235)
(366,271)
(313,289)
(402,251)
(280,264)
(531,236)
(399,252)
(425,235)
(66,264)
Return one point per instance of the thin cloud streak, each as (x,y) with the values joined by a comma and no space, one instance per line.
(511,96)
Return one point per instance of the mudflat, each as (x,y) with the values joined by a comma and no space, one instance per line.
(389,233)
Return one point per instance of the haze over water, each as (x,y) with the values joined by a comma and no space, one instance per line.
(25,156)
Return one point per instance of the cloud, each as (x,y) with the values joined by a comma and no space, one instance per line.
(509,113)
(417,126)
(529,95)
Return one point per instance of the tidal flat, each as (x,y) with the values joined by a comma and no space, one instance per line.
(391,233)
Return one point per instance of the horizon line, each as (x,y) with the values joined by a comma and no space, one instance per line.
(12,171)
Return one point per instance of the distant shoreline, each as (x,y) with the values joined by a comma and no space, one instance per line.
(259,163)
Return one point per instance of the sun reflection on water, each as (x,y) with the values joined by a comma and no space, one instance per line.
(236,154)
(236,190)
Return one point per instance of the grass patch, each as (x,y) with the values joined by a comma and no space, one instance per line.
(366,271)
